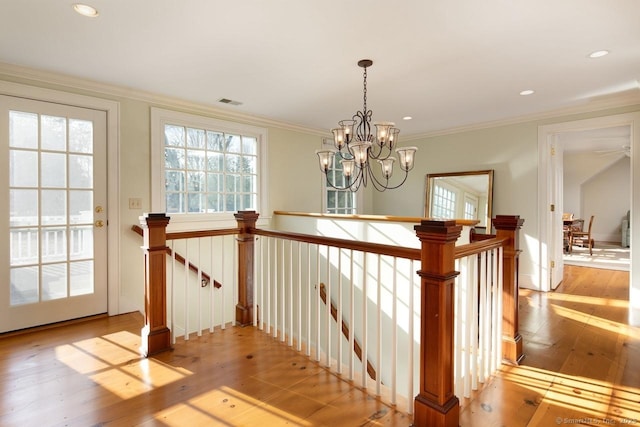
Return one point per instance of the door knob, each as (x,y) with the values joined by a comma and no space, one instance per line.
(99,223)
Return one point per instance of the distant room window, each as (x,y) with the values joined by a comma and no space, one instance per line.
(469,210)
(444,203)
(339,201)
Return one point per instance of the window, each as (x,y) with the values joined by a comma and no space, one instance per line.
(338,201)
(469,210)
(205,166)
(444,203)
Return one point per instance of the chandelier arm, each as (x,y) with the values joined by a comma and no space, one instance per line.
(363,127)
(381,186)
(378,155)
(353,181)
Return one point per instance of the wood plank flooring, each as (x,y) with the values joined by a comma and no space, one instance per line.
(582,367)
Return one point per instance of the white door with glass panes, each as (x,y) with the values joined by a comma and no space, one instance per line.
(53,231)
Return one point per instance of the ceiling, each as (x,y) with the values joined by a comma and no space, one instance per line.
(448,64)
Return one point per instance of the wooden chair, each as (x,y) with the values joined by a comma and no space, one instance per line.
(583,238)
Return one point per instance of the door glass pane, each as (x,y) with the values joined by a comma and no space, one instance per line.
(24,285)
(53,169)
(80,171)
(81,278)
(24,246)
(80,136)
(54,207)
(22,165)
(54,281)
(54,133)
(54,244)
(81,242)
(23,129)
(23,208)
(80,207)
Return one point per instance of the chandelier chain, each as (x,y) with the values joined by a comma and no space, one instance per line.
(365,90)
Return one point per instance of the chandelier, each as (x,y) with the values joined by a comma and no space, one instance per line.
(357,147)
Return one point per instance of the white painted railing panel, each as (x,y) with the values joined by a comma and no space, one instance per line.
(372,295)
(194,305)
(376,296)
(478,320)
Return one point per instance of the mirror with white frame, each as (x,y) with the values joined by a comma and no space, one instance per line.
(461,195)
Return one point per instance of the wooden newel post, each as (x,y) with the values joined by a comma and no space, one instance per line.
(508,226)
(156,336)
(246,243)
(436,404)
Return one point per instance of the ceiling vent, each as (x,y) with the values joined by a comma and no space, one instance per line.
(229,101)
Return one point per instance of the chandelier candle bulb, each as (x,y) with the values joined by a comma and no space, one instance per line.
(356,144)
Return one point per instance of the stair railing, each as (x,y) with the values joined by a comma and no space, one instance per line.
(279,277)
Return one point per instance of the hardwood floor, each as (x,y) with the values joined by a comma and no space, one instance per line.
(582,366)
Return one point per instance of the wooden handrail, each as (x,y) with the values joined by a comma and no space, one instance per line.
(478,247)
(345,331)
(376,248)
(202,233)
(206,279)
(356,217)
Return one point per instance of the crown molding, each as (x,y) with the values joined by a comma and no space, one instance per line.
(625,99)
(110,91)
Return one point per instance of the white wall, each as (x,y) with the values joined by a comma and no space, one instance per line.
(511,151)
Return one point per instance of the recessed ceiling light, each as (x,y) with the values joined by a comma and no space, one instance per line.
(85,10)
(527,92)
(407,118)
(598,53)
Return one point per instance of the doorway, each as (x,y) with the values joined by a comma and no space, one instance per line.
(550,199)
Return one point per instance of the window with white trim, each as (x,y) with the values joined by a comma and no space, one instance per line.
(469,210)
(444,203)
(204,166)
(339,201)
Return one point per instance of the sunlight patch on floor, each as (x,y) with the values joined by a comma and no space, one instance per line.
(567,397)
(604,324)
(584,299)
(116,367)
(224,406)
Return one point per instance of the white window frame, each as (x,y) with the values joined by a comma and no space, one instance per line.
(358,198)
(192,221)
(445,203)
